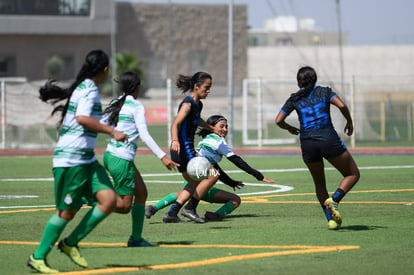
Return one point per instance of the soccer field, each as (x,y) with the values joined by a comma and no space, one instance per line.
(278,229)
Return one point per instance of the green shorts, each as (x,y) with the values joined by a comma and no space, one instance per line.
(122,172)
(73,183)
(208,197)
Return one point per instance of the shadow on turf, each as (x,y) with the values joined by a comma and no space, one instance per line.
(133,266)
(361,227)
(174,243)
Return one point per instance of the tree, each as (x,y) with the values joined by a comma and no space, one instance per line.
(127,61)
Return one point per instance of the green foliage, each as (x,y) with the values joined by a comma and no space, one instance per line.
(125,61)
(54,67)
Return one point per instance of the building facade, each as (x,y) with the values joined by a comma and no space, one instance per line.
(44,38)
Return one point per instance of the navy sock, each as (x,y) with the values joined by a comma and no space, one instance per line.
(175,207)
(338,195)
(192,204)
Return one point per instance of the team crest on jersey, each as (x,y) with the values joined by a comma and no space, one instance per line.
(68,199)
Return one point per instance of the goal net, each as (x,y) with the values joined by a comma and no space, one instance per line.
(263,98)
(25,120)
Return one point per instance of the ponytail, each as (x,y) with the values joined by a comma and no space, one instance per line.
(128,83)
(186,83)
(95,62)
(306,78)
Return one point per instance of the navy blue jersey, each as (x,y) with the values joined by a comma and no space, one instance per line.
(313,109)
(189,126)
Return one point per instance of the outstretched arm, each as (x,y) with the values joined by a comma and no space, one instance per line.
(240,163)
(349,127)
(223,177)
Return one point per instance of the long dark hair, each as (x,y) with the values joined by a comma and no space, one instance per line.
(212,120)
(306,78)
(128,82)
(94,63)
(186,83)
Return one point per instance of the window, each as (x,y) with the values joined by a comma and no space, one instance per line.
(284,41)
(7,66)
(45,7)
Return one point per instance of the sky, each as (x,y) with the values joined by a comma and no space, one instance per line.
(367,22)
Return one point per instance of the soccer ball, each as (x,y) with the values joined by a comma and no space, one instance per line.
(198,168)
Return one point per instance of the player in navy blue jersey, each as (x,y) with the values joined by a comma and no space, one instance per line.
(319,140)
(183,129)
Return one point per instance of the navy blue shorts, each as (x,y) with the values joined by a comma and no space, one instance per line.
(183,158)
(314,150)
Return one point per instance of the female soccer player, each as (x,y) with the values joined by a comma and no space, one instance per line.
(76,171)
(182,135)
(319,139)
(127,115)
(213,146)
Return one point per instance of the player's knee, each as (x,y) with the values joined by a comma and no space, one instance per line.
(122,209)
(236,202)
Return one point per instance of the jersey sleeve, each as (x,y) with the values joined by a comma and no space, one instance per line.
(145,136)
(331,94)
(239,162)
(288,107)
(224,149)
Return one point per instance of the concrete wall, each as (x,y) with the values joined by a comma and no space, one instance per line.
(195,36)
(374,66)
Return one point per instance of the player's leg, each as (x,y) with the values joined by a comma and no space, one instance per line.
(67,186)
(202,188)
(138,212)
(231,202)
(318,175)
(172,215)
(346,165)
(150,210)
(101,186)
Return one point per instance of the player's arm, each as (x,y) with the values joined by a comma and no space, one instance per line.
(94,125)
(349,127)
(182,113)
(280,121)
(141,124)
(205,125)
(223,177)
(239,162)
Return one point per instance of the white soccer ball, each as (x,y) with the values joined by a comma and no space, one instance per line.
(198,168)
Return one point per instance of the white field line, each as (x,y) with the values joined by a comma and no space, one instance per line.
(277,188)
(227,171)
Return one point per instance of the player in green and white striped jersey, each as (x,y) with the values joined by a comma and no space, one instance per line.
(213,146)
(127,115)
(76,171)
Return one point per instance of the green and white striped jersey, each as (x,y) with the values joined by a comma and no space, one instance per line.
(214,147)
(133,124)
(76,144)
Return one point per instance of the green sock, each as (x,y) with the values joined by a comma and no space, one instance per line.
(53,229)
(167,200)
(87,224)
(226,209)
(137,215)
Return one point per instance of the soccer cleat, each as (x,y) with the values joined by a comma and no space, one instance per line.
(150,211)
(138,243)
(213,217)
(332,206)
(332,225)
(192,215)
(40,265)
(170,219)
(73,253)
